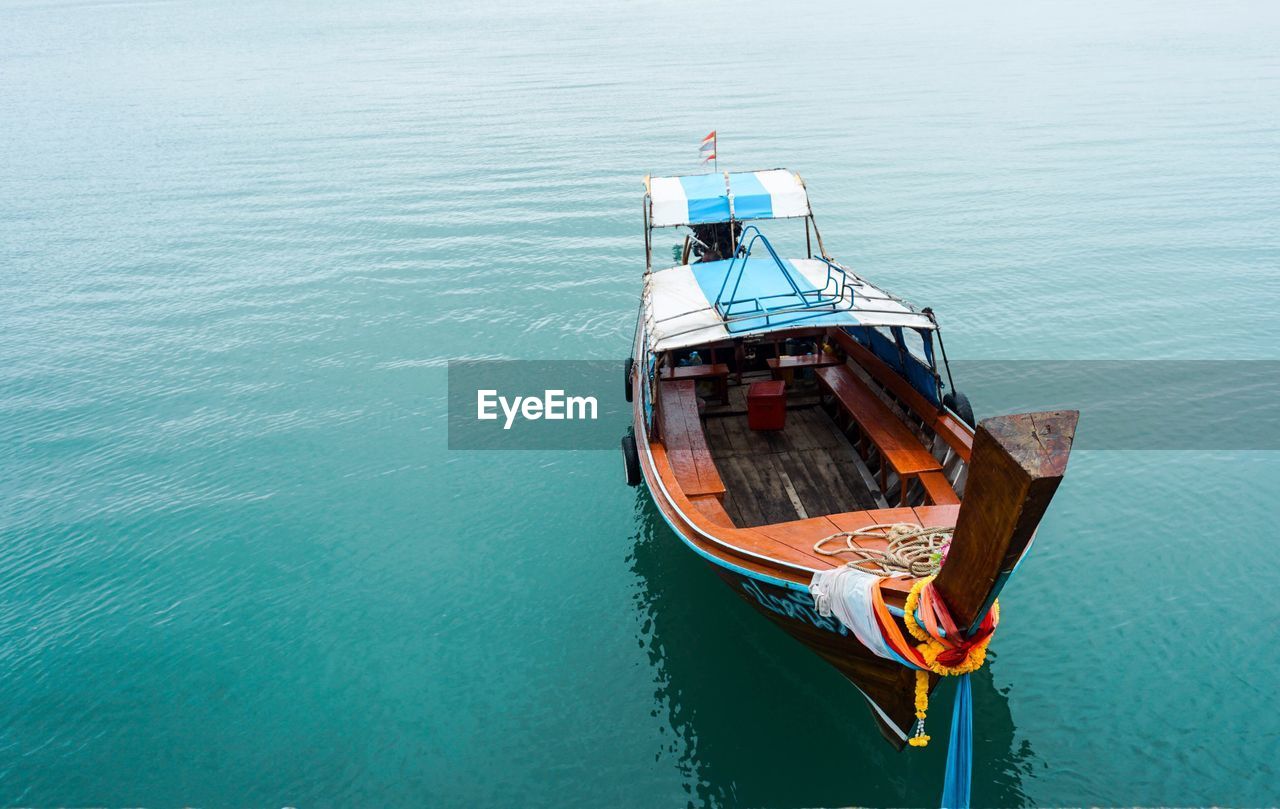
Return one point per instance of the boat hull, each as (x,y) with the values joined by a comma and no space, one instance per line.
(888,687)
(780,593)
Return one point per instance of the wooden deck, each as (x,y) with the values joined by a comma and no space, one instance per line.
(807,470)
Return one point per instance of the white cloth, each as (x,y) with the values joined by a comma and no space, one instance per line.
(846,593)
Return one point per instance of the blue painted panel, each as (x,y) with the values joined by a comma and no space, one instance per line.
(708,199)
(921,378)
(750,199)
(914,369)
(761,278)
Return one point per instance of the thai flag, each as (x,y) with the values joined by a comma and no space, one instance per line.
(708,149)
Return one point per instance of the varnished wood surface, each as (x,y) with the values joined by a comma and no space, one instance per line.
(717,372)
(786,552)
(801,361)
(957,434)
(1017,465)
(739,546)
(709,371)
(783,552)
(709,506)
(937,489)
(1018,462)
(685,442)
(893,439)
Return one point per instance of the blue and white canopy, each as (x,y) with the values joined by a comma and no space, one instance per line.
(703,198)
(680,303)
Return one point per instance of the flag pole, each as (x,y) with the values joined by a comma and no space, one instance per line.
(715,149)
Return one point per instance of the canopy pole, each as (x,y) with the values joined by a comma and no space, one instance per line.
(648,235)
(646,206)
(818,234)
(941,348)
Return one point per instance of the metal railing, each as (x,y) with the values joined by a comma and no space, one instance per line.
(836,295)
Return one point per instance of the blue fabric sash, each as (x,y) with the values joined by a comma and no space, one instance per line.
(955,790)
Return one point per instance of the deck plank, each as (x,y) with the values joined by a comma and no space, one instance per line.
(817,460)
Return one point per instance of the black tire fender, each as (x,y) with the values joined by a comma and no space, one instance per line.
(958,403)
(628,368)
(631,457)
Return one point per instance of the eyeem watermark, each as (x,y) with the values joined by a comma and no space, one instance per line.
(1123,404)
(554,405)
(537,404)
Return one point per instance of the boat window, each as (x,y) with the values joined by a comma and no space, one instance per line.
(915,344)
(885,346)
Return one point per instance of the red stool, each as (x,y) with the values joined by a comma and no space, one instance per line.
(767,405)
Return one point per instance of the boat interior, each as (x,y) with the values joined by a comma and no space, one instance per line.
(859,444)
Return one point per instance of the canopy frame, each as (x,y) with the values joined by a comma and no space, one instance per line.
(732,220)
(678,311)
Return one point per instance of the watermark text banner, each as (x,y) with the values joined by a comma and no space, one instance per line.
(1124,404)
(537,404)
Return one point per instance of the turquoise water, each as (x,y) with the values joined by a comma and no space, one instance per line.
(239,242)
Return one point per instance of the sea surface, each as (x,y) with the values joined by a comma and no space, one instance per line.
(240,242)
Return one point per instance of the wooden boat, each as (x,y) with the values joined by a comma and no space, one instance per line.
(873,432)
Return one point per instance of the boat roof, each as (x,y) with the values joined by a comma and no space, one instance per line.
(695,304)
(698,199)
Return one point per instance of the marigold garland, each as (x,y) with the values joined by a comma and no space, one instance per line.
(922,708)
(929,649)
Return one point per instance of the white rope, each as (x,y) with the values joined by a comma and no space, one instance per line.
(911,549)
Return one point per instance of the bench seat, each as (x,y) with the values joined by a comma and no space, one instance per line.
(938,489)
(717,372)
(801,361)
(897,444)
(685,442)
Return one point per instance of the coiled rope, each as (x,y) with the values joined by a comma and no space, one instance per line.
(911,549)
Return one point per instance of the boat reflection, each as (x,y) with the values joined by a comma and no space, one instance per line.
(756,719)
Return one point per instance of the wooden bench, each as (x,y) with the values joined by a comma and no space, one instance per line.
(784,367)
(937,489)
(956,434)
(717,371)
(685,442)
(894,441)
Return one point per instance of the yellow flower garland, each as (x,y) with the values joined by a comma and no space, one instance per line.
(929,648)
(922,708)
